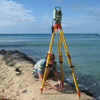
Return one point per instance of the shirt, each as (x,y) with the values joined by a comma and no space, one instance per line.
(41,64)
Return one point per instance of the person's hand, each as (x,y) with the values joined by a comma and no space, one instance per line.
(59,84)
(54,87)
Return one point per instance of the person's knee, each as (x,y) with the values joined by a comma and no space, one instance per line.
(36,75)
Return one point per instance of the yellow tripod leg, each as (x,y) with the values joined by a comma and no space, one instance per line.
(47,60)
(69,61)
(57,40)
(60,56)
(61,60)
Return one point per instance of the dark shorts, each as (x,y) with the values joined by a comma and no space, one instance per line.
(51,74)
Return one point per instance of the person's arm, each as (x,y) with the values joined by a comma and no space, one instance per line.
(57,77)
(46,83)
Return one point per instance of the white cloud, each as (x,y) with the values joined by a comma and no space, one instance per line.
(12,13)
(43,27)
(78,6)
(94,10)
(65,26)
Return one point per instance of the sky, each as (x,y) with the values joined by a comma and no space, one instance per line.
(35,16)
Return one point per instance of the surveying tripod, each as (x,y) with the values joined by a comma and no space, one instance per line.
(60,40)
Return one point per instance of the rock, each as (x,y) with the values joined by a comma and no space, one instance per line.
(87,92)
(2,52)
(18,60)
(3,90)
(24,91)
(12,57)
(17,70)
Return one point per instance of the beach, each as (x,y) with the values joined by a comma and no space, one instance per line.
(18,83)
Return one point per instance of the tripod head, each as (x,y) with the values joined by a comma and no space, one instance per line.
(57,15)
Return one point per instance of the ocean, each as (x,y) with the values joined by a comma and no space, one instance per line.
(84,50)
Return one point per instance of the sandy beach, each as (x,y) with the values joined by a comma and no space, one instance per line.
(17,82)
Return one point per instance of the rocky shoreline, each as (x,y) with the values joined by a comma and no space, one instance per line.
(17,82)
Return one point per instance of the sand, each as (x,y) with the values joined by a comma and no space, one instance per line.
(17,83)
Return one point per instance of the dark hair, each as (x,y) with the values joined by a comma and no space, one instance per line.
(52,56)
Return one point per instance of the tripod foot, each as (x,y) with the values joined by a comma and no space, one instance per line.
(79,94)
(41,90)
(62,83)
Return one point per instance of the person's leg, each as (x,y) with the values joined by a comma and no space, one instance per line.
(59,74)
(37,76)
(51,75)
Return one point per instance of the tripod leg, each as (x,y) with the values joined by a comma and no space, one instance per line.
(57,40)
(61,60)
(60,56)
(47,60)
(69,61)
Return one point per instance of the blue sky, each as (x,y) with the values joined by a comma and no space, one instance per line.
(35,16)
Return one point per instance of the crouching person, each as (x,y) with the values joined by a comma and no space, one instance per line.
(39,69)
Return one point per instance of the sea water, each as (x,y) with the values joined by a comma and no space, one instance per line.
(84,50)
